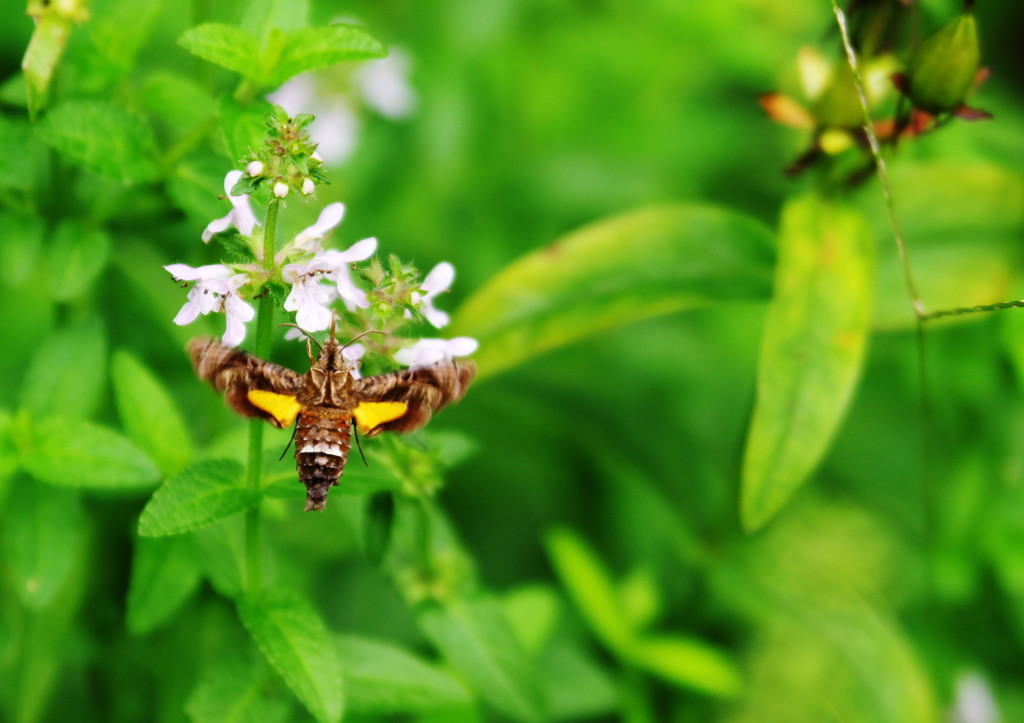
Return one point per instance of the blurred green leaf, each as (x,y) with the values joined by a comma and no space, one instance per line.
(20,170)
(533,613)
(243,129)
(381,678)
(641,599)
(314,48)
(164,575)
(261,17)
(220,551)
(197,496)
(591,587)
(20,244)
(65,377)
(574,686)
(292,637)
(225,45)
(234,691)
(377,526)
(42,56)
(688,662)
(178,101)
(102,137)
(74,453)
(476,640)
(120,28)
(626,268)
(44,532)
(813,345)
(75,256)
(149,415)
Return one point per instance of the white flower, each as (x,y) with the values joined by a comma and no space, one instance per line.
(254,169)
(308,186)
(329,218)
(240,216)
(214,290)
(438,280)
(354,353)
(339,261)
(384,84)
(280,189)
(308,298)
(431,351)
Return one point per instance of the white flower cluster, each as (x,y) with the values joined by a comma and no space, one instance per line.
(319,278)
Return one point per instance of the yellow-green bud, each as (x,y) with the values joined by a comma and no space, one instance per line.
(944,66)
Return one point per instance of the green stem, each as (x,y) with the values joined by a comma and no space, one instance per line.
(254,473)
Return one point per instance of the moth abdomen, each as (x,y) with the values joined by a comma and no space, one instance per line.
(322,442)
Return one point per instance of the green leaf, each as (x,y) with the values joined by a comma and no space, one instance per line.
(84,455)
(42,56)
(293,638)
(65,376)
(591,587)
(75,257)
(178,101)
(629,267)
(149,414)
(314,48)
(381,678)
(120,28)
(689,663)
(195,497)
(225,45)
(44,533)
(261,17)
(20,244)
(243,129)
(814,339)
(103,138)
(24,169)
(234,691)
(164,576)
(476,640)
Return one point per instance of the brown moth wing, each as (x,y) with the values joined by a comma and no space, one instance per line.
(237,372)
(425,390)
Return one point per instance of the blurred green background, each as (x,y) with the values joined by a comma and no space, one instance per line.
(890,584)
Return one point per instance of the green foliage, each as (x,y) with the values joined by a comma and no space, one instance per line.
(718,463)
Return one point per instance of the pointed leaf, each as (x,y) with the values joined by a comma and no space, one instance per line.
(629,267)
(65,376)
(477,641)
(688,662)
(43,531)
(381,678)
(293,638)
(149,415)
(225,45)
(811,353)
(83,454)
(315,48)
(103,138)
(164,575)
(195,497)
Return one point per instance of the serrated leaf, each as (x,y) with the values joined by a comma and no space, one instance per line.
(103,138)
(314,48)
(294,640)
(814,339)
(591,588)
(75,453)
(225,45)
(65,376)
(629,267)
(149,415)
(164,575)
(381,678)
(234,691)
(197,496)
(477,641)
(75,257)
(688,662)
(44,532)
(42,56)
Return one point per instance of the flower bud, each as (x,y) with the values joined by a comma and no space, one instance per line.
(944,66)
(254,169)
(308,186)
(280,189)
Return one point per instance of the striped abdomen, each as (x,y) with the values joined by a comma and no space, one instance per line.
(322,441)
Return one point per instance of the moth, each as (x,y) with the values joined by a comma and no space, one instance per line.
(324,401)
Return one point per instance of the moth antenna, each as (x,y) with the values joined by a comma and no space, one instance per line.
(359,445)
(357,337)
(309,338)
(290,440)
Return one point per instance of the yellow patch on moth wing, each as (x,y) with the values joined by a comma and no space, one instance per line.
(283,408)
(370,415)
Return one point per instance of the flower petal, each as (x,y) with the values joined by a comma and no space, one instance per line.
(359,251)
(439,279)
(329,218)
